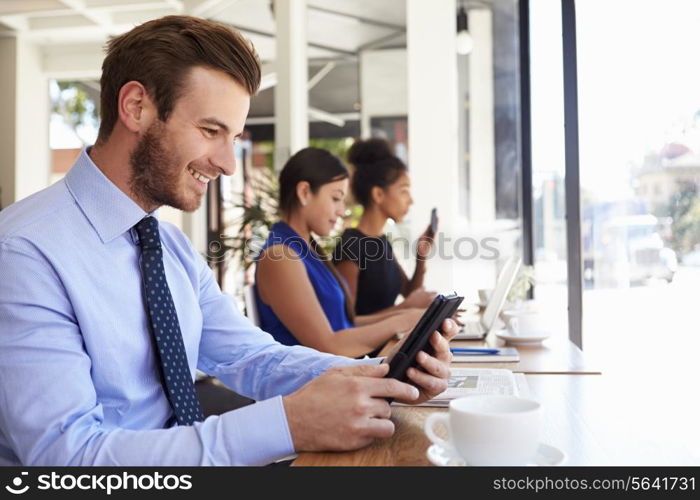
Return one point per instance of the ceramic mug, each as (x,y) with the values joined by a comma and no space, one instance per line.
(490,429)
(521,321)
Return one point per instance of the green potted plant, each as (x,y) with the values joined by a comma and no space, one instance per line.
(524,281)
(258,214)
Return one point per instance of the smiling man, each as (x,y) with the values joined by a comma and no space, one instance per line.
(106,313)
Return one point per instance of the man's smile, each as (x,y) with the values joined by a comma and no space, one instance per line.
(199,175)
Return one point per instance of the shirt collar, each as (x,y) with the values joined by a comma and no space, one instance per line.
(110,211)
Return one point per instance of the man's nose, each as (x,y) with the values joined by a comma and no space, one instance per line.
(225,158)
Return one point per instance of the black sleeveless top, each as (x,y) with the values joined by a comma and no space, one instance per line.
(379,280)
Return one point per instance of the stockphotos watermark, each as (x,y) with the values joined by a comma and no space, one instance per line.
(364,249)
(106,483)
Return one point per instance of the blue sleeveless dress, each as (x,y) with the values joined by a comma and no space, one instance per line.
(328,291)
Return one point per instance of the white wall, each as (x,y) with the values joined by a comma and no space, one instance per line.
(8,87)
(74,62)
(433,125)
(32,121)
(482,195)
(24,128)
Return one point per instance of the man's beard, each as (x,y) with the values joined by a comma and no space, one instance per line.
(156,173)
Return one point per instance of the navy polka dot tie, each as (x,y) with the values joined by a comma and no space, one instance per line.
(165,327)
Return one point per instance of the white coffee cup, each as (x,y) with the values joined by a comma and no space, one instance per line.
(522,321)
(490,429)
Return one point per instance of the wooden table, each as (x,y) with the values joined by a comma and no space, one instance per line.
(594,420)
(556,355)
(562,423)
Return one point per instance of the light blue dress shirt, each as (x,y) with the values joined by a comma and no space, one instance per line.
(79,382)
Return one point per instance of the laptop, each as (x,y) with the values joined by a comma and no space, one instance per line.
(478,328)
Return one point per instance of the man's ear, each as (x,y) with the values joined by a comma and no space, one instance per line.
(136,110)
(377,195)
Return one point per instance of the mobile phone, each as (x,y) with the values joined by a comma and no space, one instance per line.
(433,221)
(404,356)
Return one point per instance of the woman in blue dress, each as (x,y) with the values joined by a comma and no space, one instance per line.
(300,296)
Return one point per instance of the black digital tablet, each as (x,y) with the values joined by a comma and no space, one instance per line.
(404,355)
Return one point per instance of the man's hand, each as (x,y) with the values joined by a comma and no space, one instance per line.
(344,409)
(432,379)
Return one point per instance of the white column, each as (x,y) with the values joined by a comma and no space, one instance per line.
(8,92)
(291,91)
(463,98)
(24,128)
(482,172)
(432,127)
(383,86)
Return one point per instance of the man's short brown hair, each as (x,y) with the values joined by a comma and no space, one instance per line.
(159,55)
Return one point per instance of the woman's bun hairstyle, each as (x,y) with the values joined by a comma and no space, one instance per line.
(375,165)
(369,151)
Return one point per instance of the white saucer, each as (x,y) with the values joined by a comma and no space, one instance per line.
(526,338)
(546,455)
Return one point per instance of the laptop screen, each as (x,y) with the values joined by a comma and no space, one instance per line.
(506,278)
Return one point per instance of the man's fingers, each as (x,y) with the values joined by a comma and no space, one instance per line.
(391,388)
(379,408)
(434,366)
(429,383)
(441,348)
(449,329)
(381,428)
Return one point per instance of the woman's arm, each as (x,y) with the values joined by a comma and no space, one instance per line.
(284,285)
(408,286)
(425,244)
(368,319)
(350,271)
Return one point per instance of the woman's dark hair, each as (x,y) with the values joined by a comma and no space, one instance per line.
(313,165)
(317,167)
(375,165)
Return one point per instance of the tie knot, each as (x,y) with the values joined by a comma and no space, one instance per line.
(147,229)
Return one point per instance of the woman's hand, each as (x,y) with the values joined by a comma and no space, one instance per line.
(425,245)
(405,320)
(420,298)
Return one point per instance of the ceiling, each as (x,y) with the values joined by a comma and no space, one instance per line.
(73,32)
(335,27)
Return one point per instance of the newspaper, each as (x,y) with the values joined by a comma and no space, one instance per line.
(471,381)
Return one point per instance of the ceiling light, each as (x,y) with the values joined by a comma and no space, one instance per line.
(465,43)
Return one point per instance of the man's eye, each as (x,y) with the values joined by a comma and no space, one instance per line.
(211,132)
